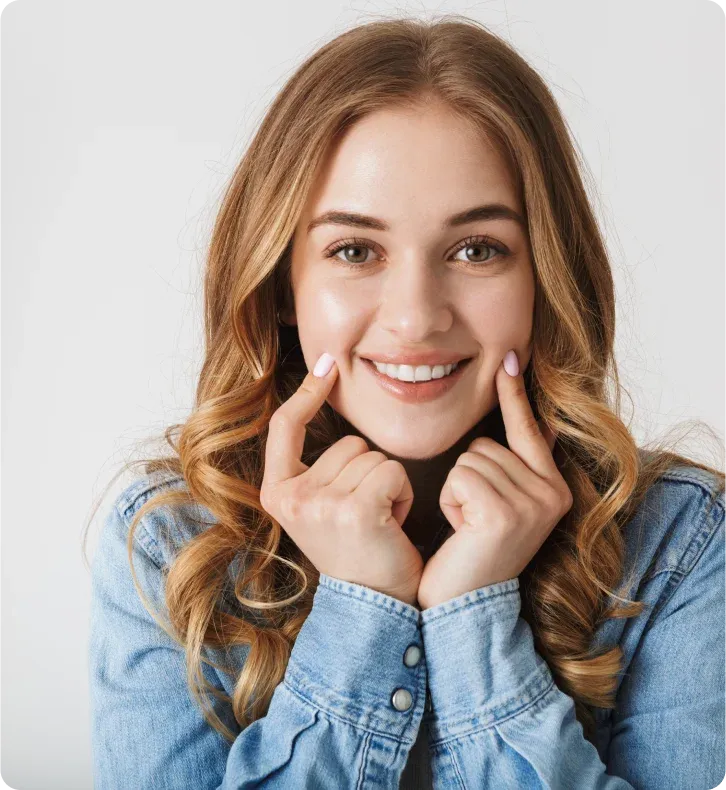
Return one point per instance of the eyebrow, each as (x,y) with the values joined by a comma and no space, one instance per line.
(490,211)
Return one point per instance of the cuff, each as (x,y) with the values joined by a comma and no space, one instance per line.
(353,658)
(481,661)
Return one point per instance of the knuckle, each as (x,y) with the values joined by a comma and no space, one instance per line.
(290,508)
(475,460)
(292,503)
(392,464)
(556,500)
(322,508)
(481,443)
(458,471)
(503,516)
(566,499)
(280,418)
(530,427)
(520,391)
(356,442)
(379,456)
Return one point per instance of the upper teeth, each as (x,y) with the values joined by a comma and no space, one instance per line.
(417,373)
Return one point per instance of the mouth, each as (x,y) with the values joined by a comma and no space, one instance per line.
(440,370)
(419,391)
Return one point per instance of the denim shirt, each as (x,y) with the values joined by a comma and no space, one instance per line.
(379,694)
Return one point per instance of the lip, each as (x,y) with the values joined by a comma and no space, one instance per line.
(411,392)
(418,358)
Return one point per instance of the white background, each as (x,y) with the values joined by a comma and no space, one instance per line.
(121,123)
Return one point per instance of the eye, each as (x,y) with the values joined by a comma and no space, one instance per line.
(359,246)
(479,243)
(348,244)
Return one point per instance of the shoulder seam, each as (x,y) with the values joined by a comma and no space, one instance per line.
(130,501)
(693,552)
(702,537)
(142,537)
(131,495)
(704,530)
(686,475)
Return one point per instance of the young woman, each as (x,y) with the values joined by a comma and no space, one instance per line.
(444,562)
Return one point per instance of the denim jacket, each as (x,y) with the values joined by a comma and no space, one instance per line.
(379,694)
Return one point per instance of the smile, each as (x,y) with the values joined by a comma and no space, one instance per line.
(416,373)
(417,384)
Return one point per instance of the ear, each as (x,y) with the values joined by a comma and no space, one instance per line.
(287,311)
(288,316)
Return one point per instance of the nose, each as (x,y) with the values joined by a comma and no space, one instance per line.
(413,304)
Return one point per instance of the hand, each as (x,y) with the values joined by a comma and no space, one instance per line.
(502,503)
(345,511)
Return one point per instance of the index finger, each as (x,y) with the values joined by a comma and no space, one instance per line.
(286,431)
(524,434)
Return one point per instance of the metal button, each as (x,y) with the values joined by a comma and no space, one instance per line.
(402,699)
(412,655)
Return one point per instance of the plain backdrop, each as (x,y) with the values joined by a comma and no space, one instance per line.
(121,123)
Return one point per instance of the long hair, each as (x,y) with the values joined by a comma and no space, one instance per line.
(574,582)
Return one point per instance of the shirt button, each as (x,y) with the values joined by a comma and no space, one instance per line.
(412,655)
(402,699)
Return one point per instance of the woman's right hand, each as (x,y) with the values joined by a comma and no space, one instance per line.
(345,511)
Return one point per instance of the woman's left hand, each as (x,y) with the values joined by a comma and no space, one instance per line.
(502,503)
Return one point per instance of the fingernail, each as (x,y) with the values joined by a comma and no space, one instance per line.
(511,363)
(323,365)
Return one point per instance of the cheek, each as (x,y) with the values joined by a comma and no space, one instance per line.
(330,304)
(330,318)
(503,318)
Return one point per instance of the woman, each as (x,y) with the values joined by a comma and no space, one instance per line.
(400,572)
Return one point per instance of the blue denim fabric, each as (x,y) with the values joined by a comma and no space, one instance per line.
(496,718)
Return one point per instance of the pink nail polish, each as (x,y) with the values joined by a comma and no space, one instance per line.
(323,365)
(511,363)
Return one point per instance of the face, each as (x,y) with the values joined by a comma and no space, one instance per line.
(412,283)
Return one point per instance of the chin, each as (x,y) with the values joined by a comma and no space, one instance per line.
(412,449)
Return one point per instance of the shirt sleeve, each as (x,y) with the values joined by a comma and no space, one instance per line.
(345,715)
(499,720)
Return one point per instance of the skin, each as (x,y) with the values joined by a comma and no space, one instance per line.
(409,288)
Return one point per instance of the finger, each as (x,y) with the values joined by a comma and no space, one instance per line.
(491,471)
(549,435)
(524,435)
(465,495)
(512,465)
(350,475)
(286,431)
(328,466)
(388,485)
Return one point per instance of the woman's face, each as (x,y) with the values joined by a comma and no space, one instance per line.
(403,287)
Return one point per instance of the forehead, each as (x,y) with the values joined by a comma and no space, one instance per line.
(394,159)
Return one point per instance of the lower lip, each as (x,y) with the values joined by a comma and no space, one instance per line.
(409,392)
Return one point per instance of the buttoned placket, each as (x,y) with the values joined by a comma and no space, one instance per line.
(401,699)
(426,553)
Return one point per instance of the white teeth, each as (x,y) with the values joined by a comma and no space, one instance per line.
(418,373)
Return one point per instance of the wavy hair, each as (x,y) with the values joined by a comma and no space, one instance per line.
(575,580)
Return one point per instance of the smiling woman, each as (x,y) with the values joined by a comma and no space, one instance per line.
(413,565)
(443,274)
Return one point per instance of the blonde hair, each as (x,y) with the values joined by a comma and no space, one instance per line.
(573,583)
